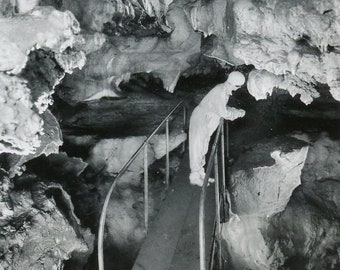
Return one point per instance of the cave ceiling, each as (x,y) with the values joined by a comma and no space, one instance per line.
(88,48)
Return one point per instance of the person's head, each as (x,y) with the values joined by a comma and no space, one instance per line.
(236,79)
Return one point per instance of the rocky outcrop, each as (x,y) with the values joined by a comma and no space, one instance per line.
(50,141)
(35,232)
(321,175)
(26,93)
(298,39)
(43,27)
(135,114)
(264,190)
(16,109)
(38,225)
(146,36)
(262,182)
(303,236)
(261,84)
(112,154)
(286,228)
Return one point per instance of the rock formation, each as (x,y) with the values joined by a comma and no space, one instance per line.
(299,39)
(35,231)
(272,226)
(36,52)
(22,102)
(284,191)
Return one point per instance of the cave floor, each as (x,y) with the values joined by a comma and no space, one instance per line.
(172,241)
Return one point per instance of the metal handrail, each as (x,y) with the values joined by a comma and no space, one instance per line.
(126,166)
(213,160)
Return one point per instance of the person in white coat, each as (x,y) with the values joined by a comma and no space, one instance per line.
(205,119)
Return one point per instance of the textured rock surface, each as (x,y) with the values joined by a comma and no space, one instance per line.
(139,50)
(44,28)
(290,37)
(139,113)
(295,38)
(114,153)
(265,190)
(302,234)
(295,41)
(261,83)
(321,175)
(38,227)
(20,125)
(26,96)
(35,233)
(262,182)
(247,248)
(50,140)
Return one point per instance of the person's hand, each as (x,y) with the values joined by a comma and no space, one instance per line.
(241,113)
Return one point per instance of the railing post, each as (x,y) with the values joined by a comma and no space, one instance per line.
(213,156)
(146,188)
(201,229)
(184,125)
(167,159)
(227,135)
(224,209)
(217,202)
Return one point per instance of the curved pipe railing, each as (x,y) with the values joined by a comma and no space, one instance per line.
(213,160)
(123,170)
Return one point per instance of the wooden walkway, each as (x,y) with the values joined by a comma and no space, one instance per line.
(172,241)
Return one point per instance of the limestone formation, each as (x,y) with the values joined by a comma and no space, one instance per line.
(284,38)
(94,71)
(270,230)
(35,233)
(112,154)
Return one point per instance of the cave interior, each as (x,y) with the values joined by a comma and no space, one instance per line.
(83,83)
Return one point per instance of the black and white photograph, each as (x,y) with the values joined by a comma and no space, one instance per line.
(169,134)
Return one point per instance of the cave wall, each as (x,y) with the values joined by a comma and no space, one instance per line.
(288,220)
(295,42)
(38,226)
(83,50)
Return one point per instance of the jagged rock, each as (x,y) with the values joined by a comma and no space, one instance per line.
(50,140)
(42,74)
(261,83)
(37,233)
(321,175)
(20,125)
(44,28)
(303,237)
(122,56)
(262,182)
(93,16)
(246,246)
(112,154)
(25,98)
(264,189)
(302,234)
(139,113)
(291,37)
